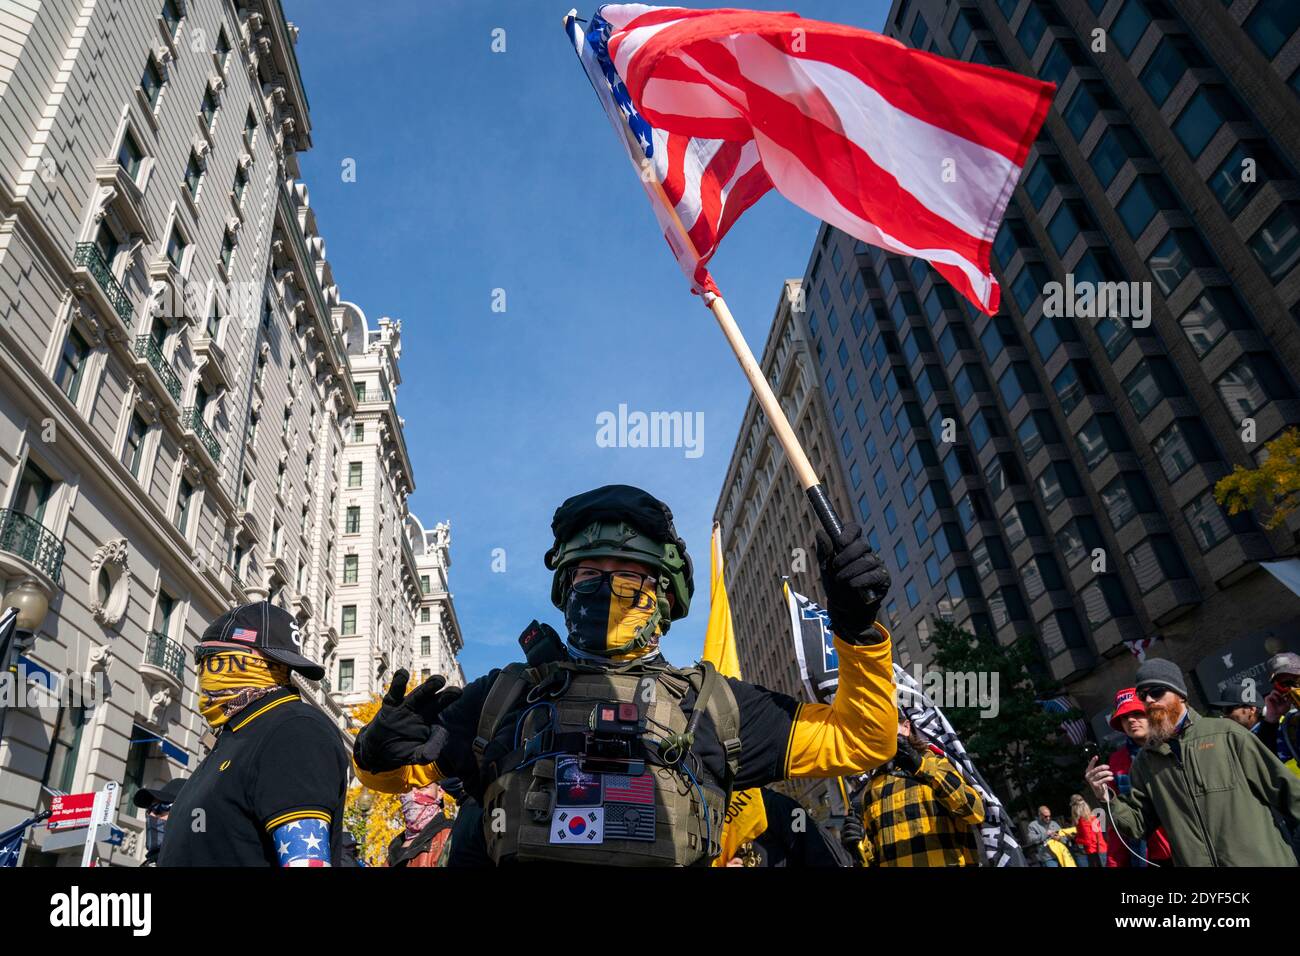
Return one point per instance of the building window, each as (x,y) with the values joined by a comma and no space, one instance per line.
(1208,523)
(346,675)
(1155,561)
(1058,481)
(424,584)
(176,246)
(424,615)
(351,565)
(349,620)
(1101,436)
(72,365)
(223,50)
(354,474)
(209,108)
(240,184)
(1277,243)
(1171,59)
(1125,497)
(1209,319)
(151,82)
(61,763)
(1129,25)
(130,157)
(227,249)
(171,15)
(250,129)
(353,525)
(1174,259)
(1151,381)
(1209,109)
(1181,446)
(183,498)
(1230,183)
(135,436)
(1250,383)
(193,175)
(1147,196)
(1271,24)
(425,649)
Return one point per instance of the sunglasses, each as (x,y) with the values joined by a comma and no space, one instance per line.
(1151,693)
(1286,682)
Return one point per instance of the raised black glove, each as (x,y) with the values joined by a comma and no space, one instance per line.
(908,758)
(851,833)
(856,582)
(403,732)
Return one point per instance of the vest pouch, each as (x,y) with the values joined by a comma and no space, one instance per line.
(515,815)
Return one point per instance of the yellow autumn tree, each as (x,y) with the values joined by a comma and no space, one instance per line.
(374,818)
(1273,487)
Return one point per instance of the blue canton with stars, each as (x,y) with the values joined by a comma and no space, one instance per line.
(598,32)
(302,843)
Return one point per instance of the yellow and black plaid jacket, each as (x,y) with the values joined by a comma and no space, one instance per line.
(921,819)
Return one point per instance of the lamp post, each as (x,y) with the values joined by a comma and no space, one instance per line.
(32,605)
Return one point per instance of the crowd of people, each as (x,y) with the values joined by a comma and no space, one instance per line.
(595,749)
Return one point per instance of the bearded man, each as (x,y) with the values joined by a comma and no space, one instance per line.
(1211,784)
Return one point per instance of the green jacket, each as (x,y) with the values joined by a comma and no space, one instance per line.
(1216,800)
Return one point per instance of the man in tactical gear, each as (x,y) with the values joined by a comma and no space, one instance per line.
(597,750)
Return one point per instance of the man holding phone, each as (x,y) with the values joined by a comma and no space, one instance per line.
(1211,784)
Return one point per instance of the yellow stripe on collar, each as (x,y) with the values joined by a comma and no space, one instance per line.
(262,710)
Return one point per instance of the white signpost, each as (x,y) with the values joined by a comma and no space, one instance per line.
(101,821)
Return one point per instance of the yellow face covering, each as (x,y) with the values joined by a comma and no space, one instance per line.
(1294,694)
(601,621)
(231,680)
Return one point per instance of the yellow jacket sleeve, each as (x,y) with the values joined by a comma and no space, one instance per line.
(400,780)
(859,730)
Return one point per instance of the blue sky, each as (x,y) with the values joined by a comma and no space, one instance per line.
(478,171)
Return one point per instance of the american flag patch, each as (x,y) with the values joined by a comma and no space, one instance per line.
(622,788)
(626,822)
(245,635)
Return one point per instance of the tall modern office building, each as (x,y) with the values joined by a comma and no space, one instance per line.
(1049,471)
(189,411)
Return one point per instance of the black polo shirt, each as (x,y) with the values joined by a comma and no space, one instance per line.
(276,760)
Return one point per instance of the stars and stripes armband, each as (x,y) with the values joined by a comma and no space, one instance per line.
(301,837)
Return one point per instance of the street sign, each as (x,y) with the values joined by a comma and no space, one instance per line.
(71,810)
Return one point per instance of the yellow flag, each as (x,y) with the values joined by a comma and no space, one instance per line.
(746,818)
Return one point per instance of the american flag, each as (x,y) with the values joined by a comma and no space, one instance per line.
(621,788)
(900,148)
(303,843)
(706,183)
(1075,728)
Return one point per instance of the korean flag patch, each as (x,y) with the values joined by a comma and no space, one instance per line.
(581,826)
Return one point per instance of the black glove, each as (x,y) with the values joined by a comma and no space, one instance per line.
(908,758)
(856,582)
(851,833)
(403,733)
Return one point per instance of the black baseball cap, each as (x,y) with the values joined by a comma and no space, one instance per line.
(271,631)
(1234,695)
(147,798)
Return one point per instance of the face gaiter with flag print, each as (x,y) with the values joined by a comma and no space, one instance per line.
(231,680)
(604,625)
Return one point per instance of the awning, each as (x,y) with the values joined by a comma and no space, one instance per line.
(1287,571)
(168,748)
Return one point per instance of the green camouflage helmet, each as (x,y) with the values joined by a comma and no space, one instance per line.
(619,521)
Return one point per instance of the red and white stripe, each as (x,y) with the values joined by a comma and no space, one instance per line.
(903,149)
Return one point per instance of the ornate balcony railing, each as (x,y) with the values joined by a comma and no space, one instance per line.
(193,420)
(146,348)
(162,652)
(91,259)
(26,537)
